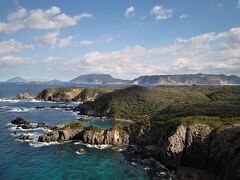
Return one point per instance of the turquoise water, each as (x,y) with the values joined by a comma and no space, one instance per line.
(33,160)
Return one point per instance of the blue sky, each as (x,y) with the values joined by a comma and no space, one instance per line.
(63,39)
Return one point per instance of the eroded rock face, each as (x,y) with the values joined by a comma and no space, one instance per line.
(199,147)
(87,135)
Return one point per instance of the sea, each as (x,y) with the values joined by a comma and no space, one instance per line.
(29,160)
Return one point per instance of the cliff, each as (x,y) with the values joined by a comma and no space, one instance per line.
(187,79)
(91,135)
(195,145)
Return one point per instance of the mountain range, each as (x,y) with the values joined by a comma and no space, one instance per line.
(179,79)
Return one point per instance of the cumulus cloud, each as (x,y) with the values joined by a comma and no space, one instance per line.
(161,13)
(13,46)
(52,18)
(86,43)
(14,60)
(207,53)
(52,39)
(129,11)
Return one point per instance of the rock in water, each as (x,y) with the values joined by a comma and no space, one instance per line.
(25,137)
(81,151)
(24,96)
(20,120)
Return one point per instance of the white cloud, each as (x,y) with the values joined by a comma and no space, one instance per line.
(12,45)
(161,13)
(206,53)
(52,18)
(220,5)
(183,16)
(86,43)
(238,3)
(129,11)
(62,43)
(14,60)
(52,39)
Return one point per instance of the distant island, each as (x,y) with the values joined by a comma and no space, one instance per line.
(178,79)
(98,79)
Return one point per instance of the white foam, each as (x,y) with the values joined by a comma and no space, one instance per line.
(20,109)
(133,163)
(77,152)
(103,146)
(10,100)
(77,143)
(41,144)
(120,150)
(147,168)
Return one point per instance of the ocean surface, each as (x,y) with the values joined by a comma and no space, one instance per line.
(34,160)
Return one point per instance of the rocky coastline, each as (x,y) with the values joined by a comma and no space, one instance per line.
(196,151)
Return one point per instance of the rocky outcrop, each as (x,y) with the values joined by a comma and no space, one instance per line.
(20,121)
(196,146)
(24,96)
(24,137)
(89,135)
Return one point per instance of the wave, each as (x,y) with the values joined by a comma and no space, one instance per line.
(9,100)
(77,143)
(20,109)
(15,128)
(103,146)
(41,144)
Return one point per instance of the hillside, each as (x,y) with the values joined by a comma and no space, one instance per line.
(98,79)
(187,79)
(73,93)
(141,103)
(16,80)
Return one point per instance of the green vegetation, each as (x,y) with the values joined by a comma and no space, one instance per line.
(171,105)
(74,125)
(73,93)
(120,128)
(95,129)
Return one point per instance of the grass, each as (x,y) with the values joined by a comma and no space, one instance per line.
(95,129)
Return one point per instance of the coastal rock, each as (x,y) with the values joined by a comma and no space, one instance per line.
(19,121)
(197,146)
(90,135)
(25,137)
(93,136)
(24,96)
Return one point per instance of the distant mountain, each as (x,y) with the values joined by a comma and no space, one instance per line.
(54,82)
(16,80)
(187,79)
(98,79)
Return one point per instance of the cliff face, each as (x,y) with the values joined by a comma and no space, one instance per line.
(196,146)
(90,135)
(187,79)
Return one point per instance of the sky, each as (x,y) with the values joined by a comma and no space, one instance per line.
(60,39)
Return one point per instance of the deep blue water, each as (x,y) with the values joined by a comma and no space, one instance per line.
(33,160)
